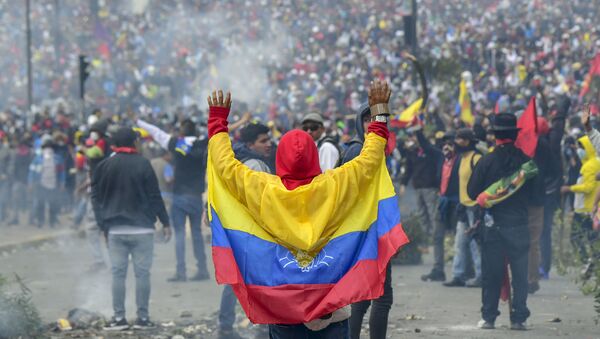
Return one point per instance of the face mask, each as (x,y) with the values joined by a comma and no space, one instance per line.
(581,153)
(95,136)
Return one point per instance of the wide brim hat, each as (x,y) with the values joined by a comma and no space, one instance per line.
(505,122)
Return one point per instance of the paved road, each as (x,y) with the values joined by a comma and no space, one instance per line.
(55,274)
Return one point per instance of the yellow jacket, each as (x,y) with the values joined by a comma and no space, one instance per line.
(588,184)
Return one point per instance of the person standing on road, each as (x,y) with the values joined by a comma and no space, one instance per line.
(465,246)
(189,154)
(378,320)
(126,202)
(253,151)
(47,179)
(503,173)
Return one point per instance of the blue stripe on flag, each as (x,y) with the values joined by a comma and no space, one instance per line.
(266,263)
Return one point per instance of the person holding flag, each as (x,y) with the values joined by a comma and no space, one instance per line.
(301,245)
(501,183)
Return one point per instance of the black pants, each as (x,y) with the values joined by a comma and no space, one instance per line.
(379,314)
(500,243)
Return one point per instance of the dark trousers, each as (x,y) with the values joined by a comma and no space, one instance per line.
(498,244)
(227,310)
(550,206)
(378,319)
(185,206)
(338,330)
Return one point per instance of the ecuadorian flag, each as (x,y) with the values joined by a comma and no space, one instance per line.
(293,256)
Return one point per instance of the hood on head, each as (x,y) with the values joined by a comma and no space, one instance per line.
(362,111)
(588,147)
(297,159)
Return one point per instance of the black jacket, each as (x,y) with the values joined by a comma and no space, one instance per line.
(502,162)
(125,193)
(424,166)
(190,166)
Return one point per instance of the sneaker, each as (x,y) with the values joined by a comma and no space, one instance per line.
(434,276)
(475,282)
(454,283)
(117,324)
(518,327)
(485,325)
(143,324)
(177,278)
(200,276)
(533,287)
(228,334)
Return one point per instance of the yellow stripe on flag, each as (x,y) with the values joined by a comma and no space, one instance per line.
(335,203)
(411,112)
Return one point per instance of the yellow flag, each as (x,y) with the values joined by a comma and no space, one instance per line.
(411,112)
(465,104)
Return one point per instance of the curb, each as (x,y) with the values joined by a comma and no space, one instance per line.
(38,241)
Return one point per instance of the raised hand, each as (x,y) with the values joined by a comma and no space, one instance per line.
(379,96)
(585,119)
(217,99)
(379,92)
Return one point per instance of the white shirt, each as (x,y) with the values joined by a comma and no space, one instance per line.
(328,155)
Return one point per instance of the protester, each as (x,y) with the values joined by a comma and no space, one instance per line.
(296,151)
(252,151)
(586,190)
(189,153)
(422,166)
(505,233)
(465,246)
(378,319)
(127,201)
(47,179)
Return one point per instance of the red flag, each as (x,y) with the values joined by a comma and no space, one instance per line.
(594,70)
(528,136)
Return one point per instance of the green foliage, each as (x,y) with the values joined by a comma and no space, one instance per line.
(18,316)
(567,259)
(410,254)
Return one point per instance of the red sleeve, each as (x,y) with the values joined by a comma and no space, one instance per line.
(379,128)
(102,144)
(217,120)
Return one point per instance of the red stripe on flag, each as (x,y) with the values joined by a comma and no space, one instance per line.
(299,303)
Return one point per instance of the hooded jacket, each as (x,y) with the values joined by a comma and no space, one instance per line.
(300,208)
(587,184)
(355,145)
(250,158)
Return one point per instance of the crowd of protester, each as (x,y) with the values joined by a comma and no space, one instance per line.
(151,65)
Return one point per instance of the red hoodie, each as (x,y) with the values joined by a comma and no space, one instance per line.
(297,158)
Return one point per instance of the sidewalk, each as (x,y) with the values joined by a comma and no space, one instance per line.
(25,235)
